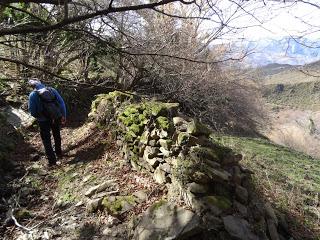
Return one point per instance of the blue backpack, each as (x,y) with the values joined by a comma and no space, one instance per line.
(51,108)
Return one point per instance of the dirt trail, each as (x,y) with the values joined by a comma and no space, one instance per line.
(51,203)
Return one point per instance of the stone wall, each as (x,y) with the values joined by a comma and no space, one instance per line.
(204,176)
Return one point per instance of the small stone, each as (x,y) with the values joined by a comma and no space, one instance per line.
(165,143)
(270,213)
(163,134)
(80,203)
(99,188)
(94,205)
(231,159)
(107,231)
(178,121)
(217,175)
(165,167)
(197,188)
(182,138)
(241,209)
(86,178)
(159,176)
(238,228)
(196,128)
(164,152)
(145,137)
(140,195)
(152,143)
(241,194)
(272,230)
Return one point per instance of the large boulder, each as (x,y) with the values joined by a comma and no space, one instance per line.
(165,221)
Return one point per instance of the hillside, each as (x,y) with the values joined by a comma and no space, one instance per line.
(115,184)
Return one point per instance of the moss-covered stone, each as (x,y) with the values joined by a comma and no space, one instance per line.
(218,201)
(118,205)
(164,123)
(196,128)
(200,153)
(182,138)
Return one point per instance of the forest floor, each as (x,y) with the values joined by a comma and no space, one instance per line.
(50,203)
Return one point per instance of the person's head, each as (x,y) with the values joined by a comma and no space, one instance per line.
(35,83)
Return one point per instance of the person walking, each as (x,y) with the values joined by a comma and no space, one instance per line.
(48,107)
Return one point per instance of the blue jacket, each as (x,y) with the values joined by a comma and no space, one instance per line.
(35,105)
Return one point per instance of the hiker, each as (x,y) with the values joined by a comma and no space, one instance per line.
(48,107)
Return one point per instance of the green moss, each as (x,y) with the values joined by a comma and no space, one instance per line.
(198,153)
(218,201)
(157,205)
(115,206)
(183,138)
(163,122)
(136,129)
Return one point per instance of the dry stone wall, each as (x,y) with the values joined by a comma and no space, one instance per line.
(181,153)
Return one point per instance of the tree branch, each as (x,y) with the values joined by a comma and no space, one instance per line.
(65,22)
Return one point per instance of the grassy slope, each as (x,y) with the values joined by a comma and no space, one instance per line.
(290,179)
(300,95)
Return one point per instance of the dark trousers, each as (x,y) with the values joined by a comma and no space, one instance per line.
(45,132)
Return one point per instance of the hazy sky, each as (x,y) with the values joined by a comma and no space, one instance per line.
(275,19)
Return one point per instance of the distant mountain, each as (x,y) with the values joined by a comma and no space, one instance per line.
(282,51)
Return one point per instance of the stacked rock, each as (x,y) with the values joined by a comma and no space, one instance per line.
(182,153)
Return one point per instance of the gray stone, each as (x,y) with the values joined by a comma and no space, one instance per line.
(217,175)
(165,143)
(18,118)
(94,205)
(159,176)
(140,195)
(99,188)
(150,152)
(182,138)
(165,167)
(212,222)
(163,134)
(270,214)
(238,228)
(197,188)
(241,209)
(272,230)
(164,221)
(196,128)
(231,159)
(178,121)
(164,152)
(145,137)
(241,194)
(152,143)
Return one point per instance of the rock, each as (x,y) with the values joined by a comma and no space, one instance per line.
(140,195)
(199,153)
(86,178)
(182,138)
(152,143)
(270,213)
(272,230)
(165,167)
(164,221)
(18,118)
(154,162)
(163,134)
(238,228)
(154,134)
(178,121)
(217,175)
(94,205)
(107,231)
(200,177)
(196,128)
(164,152)
(144,139)
(231,159)
(165,143)
(217,204)
(159,176)
(197,188)
(99,188)
(241,209)
(241,194)
(116,205)
(212,222)
(150,152)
